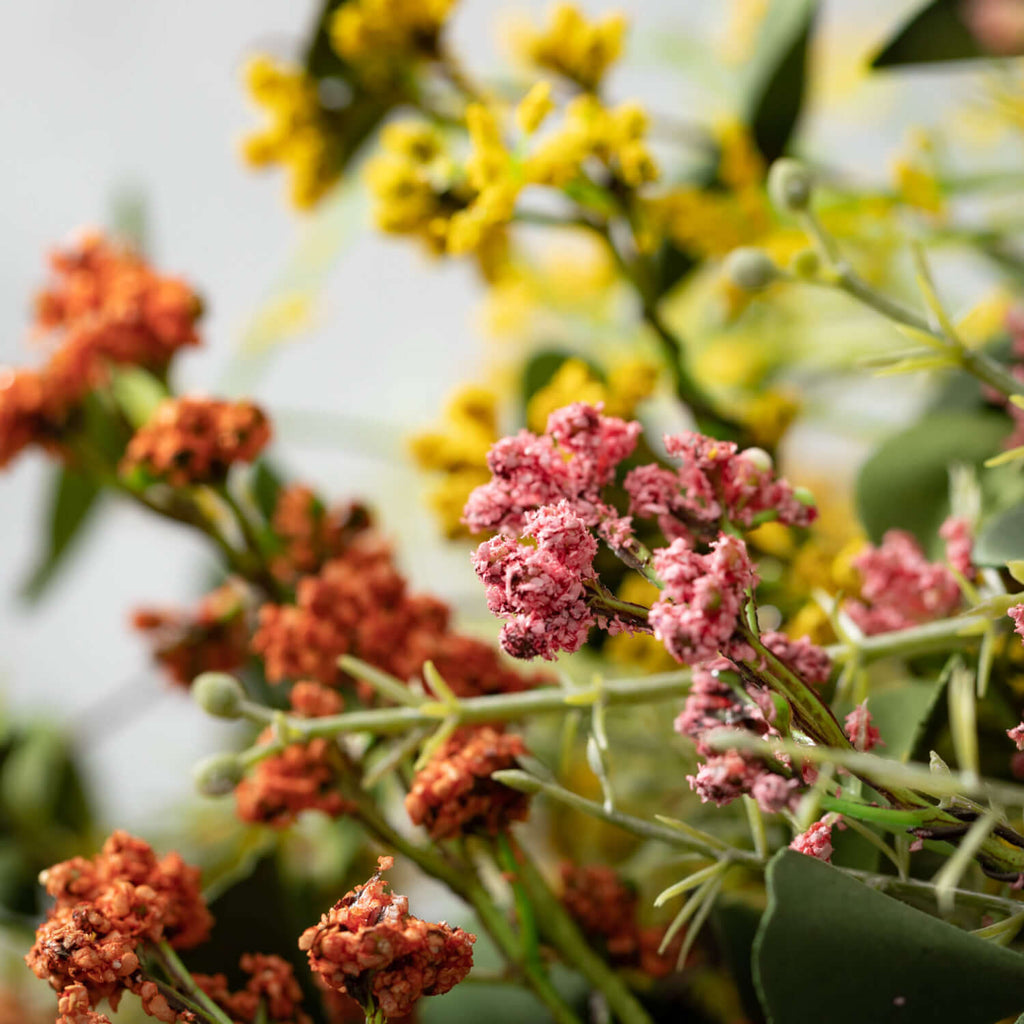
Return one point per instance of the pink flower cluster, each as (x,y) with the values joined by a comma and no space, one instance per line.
(574,460)
(900,587)
(861,731)
(540,589)
(714,481)
(816,841)
(698,613)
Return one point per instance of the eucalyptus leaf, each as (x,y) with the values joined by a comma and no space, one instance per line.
(905,483)
(71,503)
(1001,540)
(777,74)
(936,32)
(830,948)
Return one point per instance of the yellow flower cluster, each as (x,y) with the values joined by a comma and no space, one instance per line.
(458,451)
(297,136)
(713,222)
(421,191)
(576,49)
(387,30)
(628,383)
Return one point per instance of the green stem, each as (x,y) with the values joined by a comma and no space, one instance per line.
(562,932)
(182,978)
(465,883)
(689,840)
(471,710)
(977,363)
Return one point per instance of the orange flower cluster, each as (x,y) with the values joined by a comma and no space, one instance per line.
(304,776)
(455,794)
(359,604)
(112,308)
(370,946)
(271,984)
(310,533)
(105,909)
(212,638)
(605,908)
(195,440)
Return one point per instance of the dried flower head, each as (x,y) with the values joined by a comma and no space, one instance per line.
(370,946)
(193,440)
(271,984)
(454,793)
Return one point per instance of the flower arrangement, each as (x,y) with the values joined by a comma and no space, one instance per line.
(738,741)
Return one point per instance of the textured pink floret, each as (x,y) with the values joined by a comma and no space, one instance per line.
(573,461)
(860,730)
(816,841)
(774,793)
(724,777)
(540,589)
(803,657)
(1017,735)
(558,529)
(1017,614)
(697,615)
(714,479)
(900,587)
(956,532)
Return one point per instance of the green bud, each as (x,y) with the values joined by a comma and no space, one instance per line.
(759,458)
(218,694)
(1016,569)
(218,775)
(805,264)
(804,496)
(790,185)
(750,269)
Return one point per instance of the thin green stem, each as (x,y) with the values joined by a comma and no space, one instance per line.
(182,979)
(562,932)
(689,840)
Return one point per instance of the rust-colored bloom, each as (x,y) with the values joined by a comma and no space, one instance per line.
(358,604)
(455,794)
(271,984)
(310,533)
(183,919)
(212,638)
(370,946)
(105,909)
(105,306)
(196,440)
(303,777)
(605,908)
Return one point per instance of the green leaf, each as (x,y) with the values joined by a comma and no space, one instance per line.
(899,711)
(830,948)
(935,33)
(1001,540)
(265,485)
(71,503)
(777,74)
(905,483)
(138,393)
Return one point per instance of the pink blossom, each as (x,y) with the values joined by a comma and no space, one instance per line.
(698,613)
(573,461)
(956,532)
(1017,614)
(1017,735)
(816,841)
(803,657)
(860,730)
(598,443)
(773,792)
(541,589)
(723,777)
(900,587)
